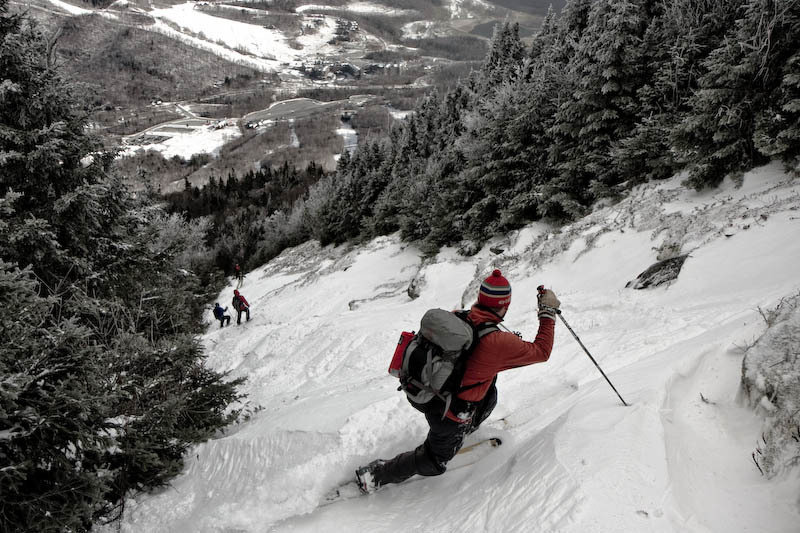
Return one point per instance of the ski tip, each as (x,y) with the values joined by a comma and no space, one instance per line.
(496,441)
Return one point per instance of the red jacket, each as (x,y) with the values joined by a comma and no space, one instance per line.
(500,351)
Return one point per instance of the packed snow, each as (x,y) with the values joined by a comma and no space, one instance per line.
(249,39)
(79,11)
(574,459)
(399,115)
(69,8)
(217,48)
(358,7)
(466,8)
(185,144)
(349,138)
(425,29)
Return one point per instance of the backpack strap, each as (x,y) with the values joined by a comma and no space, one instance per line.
(482,329)
(485,328)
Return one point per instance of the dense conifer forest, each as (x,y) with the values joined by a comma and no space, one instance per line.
(248,213)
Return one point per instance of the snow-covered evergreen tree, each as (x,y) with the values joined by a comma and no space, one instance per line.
(54,412)
(738,87)
(611,94)
(503,59)
(778,125)
(609,67)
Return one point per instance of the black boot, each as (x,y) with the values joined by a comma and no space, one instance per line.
(395,470)
(380,472)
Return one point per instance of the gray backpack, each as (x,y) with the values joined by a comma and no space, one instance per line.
(431,363)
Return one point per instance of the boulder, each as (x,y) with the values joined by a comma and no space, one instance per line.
(659,273)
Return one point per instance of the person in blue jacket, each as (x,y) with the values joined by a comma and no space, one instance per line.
(219,314)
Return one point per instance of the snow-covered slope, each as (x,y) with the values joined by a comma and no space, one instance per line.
(250,39)
(324,326)
(268,48)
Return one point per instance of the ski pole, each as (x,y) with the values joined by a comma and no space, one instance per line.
(540,288)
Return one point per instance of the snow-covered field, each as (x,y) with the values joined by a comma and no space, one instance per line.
(324,326)
(358,7)
(187,141)
(252,45)
(250,39)
(466,8)
(69,8)
(270,49)
(349,138)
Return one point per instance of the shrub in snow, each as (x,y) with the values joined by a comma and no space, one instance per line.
(771,383)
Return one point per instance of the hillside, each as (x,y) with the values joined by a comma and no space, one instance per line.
(150,66)
(324,325)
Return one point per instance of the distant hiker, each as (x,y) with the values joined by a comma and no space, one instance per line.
(239,275)
(240,304)
(476,397)
(219,314)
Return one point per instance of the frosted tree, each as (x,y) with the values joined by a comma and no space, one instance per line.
(503,59)
(608,67)
(778,125)
(569,29)
(53,408)
(771,383)
(739,86)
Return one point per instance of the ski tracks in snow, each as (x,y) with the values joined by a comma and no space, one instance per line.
(709,438)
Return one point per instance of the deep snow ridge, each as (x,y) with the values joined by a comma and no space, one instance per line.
(680,220)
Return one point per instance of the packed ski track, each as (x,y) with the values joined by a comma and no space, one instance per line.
(325,322)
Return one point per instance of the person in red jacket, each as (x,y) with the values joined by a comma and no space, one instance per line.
(495,352)
(240,304)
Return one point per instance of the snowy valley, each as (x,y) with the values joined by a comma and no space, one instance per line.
(183,79)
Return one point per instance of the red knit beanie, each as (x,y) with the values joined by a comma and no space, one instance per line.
(495,291)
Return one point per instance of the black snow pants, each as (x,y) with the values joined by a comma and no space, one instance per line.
(445,438)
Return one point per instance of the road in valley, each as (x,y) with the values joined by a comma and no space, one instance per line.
(301,108)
